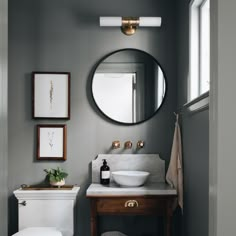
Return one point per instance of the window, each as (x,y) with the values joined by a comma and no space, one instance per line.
(199,81)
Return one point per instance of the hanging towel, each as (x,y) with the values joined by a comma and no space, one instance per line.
(174,175)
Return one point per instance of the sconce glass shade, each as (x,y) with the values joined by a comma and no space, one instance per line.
(149,21)
(110,21)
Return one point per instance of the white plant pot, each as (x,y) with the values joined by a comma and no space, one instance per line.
(58,184)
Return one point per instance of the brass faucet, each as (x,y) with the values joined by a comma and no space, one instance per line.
(128,145)
(115,144)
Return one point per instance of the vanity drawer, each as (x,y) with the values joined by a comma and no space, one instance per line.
(132,205)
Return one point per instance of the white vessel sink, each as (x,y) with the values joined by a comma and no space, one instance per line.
(130,178)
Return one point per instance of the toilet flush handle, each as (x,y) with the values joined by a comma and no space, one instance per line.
(22,203)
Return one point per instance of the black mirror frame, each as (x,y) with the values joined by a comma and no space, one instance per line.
(137,50)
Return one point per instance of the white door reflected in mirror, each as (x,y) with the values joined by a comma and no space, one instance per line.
(115,93)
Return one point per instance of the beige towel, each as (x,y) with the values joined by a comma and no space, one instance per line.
(174,175)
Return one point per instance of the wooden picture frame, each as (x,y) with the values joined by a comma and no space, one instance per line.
(51,142)
(51,95)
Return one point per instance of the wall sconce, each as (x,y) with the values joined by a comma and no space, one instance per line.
(115,144)
(140,144)
(129,24)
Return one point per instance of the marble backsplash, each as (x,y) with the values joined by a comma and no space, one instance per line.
(143,162)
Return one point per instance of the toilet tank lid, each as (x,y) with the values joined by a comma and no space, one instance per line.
(39,231)
(47,194)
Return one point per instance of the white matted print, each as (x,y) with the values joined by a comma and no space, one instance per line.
(51,95)
(51,143)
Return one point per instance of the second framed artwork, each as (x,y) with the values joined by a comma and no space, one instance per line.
(51,95)
(51,142)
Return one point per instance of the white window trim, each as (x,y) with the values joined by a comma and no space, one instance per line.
(194,34)
(198,104)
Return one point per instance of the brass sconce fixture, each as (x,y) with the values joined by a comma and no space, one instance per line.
(140,144)
(115,144)
(129,24)
(128,145)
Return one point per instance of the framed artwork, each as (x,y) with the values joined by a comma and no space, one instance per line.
(51,142)
(51,95)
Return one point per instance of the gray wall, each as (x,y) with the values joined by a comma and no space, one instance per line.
(3,117)
(63,35)
(195,134)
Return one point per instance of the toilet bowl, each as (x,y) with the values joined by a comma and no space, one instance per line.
(38,231)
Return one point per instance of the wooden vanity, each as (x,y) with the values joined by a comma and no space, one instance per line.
(155,199)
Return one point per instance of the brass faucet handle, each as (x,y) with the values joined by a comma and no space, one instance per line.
(128,145)
(140,144)
(115,144)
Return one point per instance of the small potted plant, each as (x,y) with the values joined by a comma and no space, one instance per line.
(56,177)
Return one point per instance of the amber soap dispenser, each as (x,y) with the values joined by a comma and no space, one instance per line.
(105,173)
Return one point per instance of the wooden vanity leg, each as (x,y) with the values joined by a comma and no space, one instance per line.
(93,218)
(168,225)
(168,217)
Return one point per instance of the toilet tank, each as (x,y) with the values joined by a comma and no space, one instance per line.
(47,208)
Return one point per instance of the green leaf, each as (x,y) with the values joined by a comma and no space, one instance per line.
(64,175)
(52,178)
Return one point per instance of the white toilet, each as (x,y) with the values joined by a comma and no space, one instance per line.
(39,231)
(46,212)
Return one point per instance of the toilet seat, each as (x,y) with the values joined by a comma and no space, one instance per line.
(38,231)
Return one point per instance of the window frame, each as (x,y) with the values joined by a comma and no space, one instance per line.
(196,80)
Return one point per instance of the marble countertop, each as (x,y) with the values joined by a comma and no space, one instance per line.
(114,190)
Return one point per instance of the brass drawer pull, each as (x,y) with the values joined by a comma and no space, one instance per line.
(131,203)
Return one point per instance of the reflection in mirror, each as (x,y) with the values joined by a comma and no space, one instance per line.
(129,86)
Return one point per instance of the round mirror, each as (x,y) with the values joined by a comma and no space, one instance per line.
(129,86)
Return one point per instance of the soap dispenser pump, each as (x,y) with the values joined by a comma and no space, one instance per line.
(105,173)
